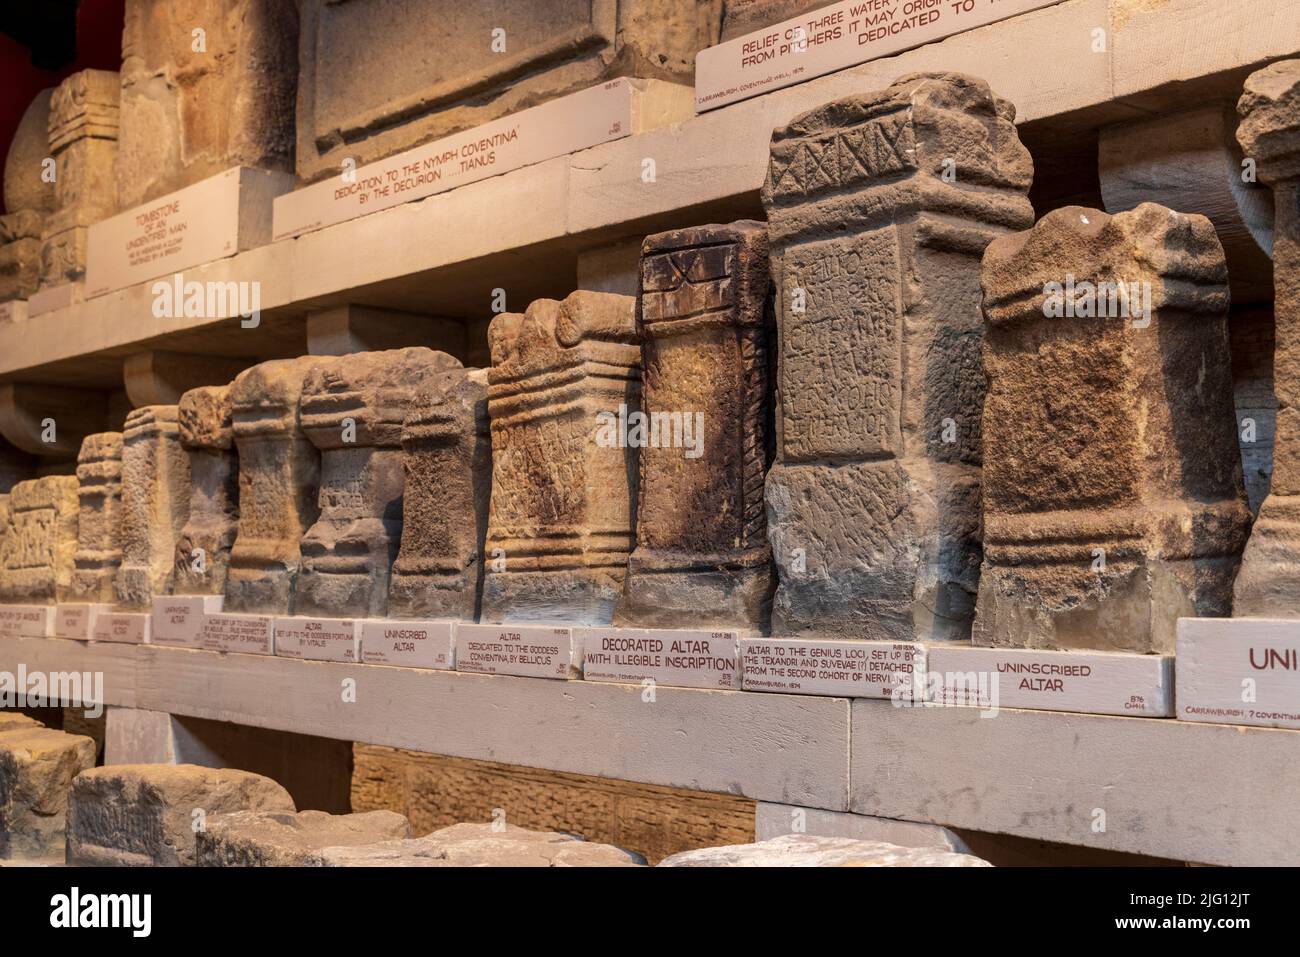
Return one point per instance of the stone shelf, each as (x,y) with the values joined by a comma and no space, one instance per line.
(525,231)
(1208,793)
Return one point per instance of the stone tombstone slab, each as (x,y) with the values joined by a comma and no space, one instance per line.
(702,559)
(1268,584)
(353,410)
(83,129)
(848,669)
(279,473)
(29,197)
(452,66)
(99,518)
(155,504)
(564,376)
(1113,495)
(202,554)
(189,113)
(143,814)
(879,208)
(40,541)
(447,457)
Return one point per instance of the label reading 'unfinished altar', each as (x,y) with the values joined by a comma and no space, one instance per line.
(121,627)
(574,122)
(26,621)
(76,620)
(178,619)
(317,639)
(669,657)
(189,227)
(850,669)
(1239,671)
(530,651)
(831,38)
(1090,682)
(249,634)
(411,644)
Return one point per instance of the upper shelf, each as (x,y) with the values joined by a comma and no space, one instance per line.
(524,231)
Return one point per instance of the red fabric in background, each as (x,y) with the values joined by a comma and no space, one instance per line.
(99,47)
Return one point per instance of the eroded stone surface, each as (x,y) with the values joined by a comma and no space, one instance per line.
(284,839)
(99,518)
(545,49)
(563,497)
(1269,581)
(202,555)
(482,845)
(353,410)
(189,113)
(447,455)
(145,814)
(879,208)
(279,474)
(83,125)
(40,541)
(155,504)
(28,196)
(804,850)
(37,766)
(702,559)
(1113,496)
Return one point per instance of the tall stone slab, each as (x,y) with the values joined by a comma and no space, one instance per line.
(279,474)
(450,65)
(29,197)
(83,127)
(702,559)
(202,555)
(564,378)
(1113,495)
(99,518)
(353,411)
(155,504)
(195,105)
(447,455)
(879,207)
(40,541)
(1268,584)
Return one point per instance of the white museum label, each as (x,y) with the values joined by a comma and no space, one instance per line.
(317,639)
(26,621)
(76,620)
(1239,671)
(530,651)
(51,298)
(669,657)
(832,38)
(1090,682)
(852,669)
(574,122)
(15,310)
(412,644)
(249,634)
(123,627)
(178,619)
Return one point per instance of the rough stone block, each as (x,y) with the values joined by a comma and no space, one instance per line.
(40,540)
(283,839)
(482,845)
(879,208)
(564,377)
(702,559)
(1113,495)
(37,766)
(202,555)
(804,850)
(99,518)
(148,814)
(29,196)
(447,456)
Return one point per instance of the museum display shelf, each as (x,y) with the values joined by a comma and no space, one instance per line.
(1207,793)
(1069,68)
